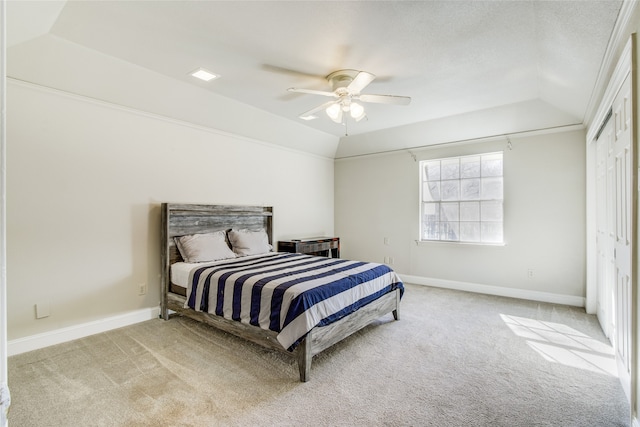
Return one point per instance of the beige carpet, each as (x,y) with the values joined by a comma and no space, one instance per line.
(454,359)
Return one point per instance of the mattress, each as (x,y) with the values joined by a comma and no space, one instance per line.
(180,271)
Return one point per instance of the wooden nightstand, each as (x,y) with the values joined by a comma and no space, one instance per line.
(321,246)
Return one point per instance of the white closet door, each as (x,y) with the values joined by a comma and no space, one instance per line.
(623,212)
(605,229)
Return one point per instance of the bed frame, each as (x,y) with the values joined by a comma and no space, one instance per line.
(181,219)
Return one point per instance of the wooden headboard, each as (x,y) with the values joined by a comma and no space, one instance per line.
(182,219)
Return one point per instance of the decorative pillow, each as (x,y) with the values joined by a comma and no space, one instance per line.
(249,242)
(204,247)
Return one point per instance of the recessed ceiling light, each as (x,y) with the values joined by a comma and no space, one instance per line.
(203,74)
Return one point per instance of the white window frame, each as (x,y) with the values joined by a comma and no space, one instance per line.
(473,201)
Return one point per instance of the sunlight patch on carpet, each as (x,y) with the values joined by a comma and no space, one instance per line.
(562,344)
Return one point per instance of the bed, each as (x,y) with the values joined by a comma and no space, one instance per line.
(218,267)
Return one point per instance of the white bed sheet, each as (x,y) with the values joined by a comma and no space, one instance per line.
(180,271)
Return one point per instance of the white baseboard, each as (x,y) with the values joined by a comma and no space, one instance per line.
(45,339)
(496,290)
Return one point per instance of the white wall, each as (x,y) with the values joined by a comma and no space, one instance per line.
(544,193)
(85,183)
(95,144)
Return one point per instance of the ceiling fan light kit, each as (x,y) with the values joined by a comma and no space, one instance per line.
(357,111)
(346,86)
(334,111)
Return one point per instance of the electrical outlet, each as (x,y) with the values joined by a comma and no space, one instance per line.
(142,289)
(390,260)
(43,309)
(530,273)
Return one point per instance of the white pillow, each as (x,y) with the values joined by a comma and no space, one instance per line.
(249,242)
(204,247)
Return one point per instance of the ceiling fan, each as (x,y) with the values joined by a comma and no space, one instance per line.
(347,86)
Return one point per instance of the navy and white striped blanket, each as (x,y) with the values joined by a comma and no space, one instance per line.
(288,293)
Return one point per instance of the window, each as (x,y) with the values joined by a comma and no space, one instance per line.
(461,199)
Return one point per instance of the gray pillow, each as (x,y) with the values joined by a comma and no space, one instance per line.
(249,242)
(204,247)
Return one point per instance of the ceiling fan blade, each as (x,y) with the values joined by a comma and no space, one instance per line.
(289,71)
(361,80)
(385,99)
(309,115)
(311,91)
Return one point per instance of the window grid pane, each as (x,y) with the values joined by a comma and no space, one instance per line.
(462,199)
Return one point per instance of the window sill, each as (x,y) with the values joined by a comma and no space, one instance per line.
(451,242)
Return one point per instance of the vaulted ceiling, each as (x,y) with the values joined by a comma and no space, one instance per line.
(450,57)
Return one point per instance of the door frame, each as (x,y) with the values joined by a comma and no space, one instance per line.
(5,399)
